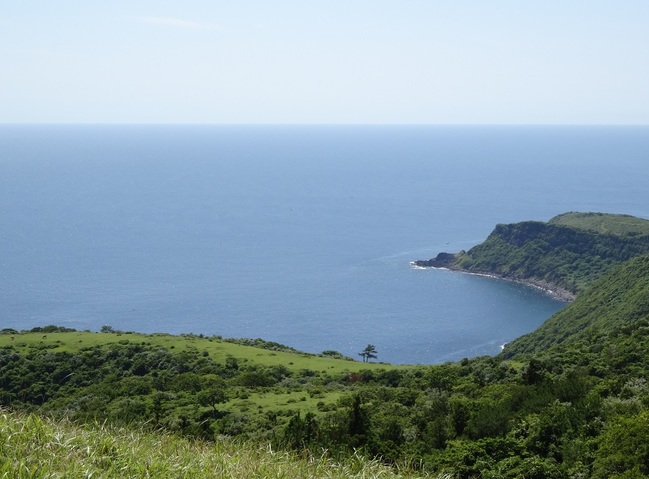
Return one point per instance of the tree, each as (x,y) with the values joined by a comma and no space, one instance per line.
(359,424)
(300,433)
(368,353)
(623,448)
(212,391)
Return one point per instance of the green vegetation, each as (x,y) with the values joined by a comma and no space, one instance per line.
(188,384)
(567,253)
(33,447)
(254,351)
(603,223)
(570,400)
(368,353)
(614,303)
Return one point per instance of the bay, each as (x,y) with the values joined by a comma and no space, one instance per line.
(297,234)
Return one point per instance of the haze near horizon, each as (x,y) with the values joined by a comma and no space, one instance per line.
(362,62)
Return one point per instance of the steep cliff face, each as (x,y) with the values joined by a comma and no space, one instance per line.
(567,253)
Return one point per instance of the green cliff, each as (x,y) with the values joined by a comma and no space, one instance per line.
(565,254)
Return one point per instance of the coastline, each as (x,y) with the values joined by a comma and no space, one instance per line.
(552,290)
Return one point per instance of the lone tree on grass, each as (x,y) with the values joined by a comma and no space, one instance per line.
(368,353)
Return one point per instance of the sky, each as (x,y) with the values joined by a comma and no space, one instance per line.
(325,62)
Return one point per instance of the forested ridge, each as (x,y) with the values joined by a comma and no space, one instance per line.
(566,253)
(570,400)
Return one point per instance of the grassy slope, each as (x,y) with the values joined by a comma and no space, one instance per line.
(218,349)
(617,300)
(603,223)
(258,400)
(34,447)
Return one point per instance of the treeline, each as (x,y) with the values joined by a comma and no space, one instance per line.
(544,416)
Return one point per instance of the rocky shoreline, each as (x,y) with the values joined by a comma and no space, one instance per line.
(445,261)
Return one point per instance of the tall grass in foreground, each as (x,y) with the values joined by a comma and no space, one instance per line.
(34,447)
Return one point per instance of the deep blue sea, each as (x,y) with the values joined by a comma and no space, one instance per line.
(297,234)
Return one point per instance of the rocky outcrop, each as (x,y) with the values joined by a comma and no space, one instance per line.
(442,260)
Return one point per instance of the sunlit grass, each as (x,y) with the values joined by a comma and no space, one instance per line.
(603,223)
(34,447)
(216,348)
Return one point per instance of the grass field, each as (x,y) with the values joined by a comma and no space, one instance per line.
(603,223)
(284,400)
(218,349)
(32,447)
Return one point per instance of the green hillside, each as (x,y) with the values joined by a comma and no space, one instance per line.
(192,385)
(248,351)
(33,448)
(565,254)
(603,223)
(610,307)
(564,409)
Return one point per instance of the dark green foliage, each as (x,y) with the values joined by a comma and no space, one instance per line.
(335,354)
(567,257)
(368,353)
(359,424)
(260,343)
(624,448)
(49,329)
(301,433)
(567,253)
(618,300)
(212,391)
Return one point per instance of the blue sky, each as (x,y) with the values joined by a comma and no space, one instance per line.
(313,61)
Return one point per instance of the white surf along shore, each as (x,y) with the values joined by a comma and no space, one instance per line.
(554,291)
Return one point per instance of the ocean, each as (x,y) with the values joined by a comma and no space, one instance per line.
(301,235)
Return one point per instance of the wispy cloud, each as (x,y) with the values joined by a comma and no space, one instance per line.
(176,23)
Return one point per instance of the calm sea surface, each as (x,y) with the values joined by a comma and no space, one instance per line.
(300,235)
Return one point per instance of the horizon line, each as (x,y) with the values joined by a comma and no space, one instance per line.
(8,123)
